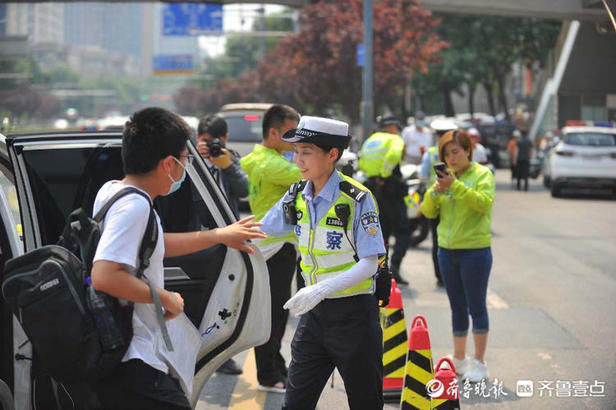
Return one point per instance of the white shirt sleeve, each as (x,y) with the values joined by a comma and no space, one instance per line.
(362,270)
(123,229)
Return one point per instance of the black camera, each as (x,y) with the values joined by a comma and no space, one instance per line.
(215,147)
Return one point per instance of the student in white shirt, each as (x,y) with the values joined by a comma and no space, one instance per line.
(154,156)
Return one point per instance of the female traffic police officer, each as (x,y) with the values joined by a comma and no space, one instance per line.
(337,227)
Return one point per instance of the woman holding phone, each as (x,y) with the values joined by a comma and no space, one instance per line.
(462,196)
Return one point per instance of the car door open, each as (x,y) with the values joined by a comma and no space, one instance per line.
(226,292)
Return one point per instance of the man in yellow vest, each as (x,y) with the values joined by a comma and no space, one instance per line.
(335,221)
(440,127)
(269,177)
(380,158)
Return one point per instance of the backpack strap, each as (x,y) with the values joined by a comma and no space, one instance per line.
(146,249)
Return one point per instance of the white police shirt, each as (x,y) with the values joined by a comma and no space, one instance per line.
(123,229)
(369,241)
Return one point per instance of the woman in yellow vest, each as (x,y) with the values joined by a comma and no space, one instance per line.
(337,227)
(463,197)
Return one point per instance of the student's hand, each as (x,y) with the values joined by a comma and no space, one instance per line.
(444,180)
(223,161)
(236,235)
(172,302)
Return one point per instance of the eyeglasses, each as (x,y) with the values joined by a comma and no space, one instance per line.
(189,158)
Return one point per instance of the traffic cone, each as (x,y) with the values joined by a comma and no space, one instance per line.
(445,379)
(394,344)
(418,371)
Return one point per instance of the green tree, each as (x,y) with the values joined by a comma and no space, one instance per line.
(481,53)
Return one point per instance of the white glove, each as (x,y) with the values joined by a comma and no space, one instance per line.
(307,298)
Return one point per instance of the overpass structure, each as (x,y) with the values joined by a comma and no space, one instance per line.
(582,10)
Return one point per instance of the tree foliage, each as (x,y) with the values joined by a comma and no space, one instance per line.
(482,52)
(316,69)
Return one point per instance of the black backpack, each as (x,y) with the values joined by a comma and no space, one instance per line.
(46,290)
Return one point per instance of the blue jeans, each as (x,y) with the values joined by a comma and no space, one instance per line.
(465,273)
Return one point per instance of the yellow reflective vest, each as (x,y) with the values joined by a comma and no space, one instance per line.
(269,176)
(465,209)
(327,250)
(380,154)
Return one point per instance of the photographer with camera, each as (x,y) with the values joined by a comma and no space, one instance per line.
(224,164)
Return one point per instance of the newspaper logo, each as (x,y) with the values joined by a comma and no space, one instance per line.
(435,388)
(524,388)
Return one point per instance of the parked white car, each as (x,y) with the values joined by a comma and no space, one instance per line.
(585,158)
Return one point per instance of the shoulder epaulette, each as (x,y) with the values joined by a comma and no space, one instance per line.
(351,190)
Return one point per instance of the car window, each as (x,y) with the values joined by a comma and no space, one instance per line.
(591,139)
(66,179)
(244,128)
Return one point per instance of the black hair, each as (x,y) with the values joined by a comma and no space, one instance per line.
(276,115)
(327,148)
(151,135)
(212,124)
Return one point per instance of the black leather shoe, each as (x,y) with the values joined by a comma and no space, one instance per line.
(229,367)
(400,281)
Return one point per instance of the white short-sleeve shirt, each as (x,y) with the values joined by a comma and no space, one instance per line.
(123,229)
(480,154)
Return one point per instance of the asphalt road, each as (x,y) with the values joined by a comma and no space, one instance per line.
(552,301)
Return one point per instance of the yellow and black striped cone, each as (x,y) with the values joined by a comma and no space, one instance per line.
(394,344)
(418,371)
(445,391)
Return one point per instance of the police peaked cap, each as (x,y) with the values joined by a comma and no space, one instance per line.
(320,131)
(443,124)
(386,120)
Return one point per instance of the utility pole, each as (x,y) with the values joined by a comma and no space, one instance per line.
(262,29)
(366,102)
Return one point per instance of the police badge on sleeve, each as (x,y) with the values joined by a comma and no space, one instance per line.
(370,222)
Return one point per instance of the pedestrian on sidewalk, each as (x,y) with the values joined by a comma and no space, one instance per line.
(511,150)
(463,197)
(337,227)
(523,153)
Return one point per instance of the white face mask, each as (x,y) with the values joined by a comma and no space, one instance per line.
(175,185)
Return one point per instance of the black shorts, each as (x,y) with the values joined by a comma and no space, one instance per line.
(137,385)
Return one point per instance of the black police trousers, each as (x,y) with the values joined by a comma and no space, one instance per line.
(341,333)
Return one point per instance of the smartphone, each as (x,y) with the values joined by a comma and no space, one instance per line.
(440,166)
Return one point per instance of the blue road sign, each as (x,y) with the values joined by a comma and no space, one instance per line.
(173,64)
(191,19)
(360,55)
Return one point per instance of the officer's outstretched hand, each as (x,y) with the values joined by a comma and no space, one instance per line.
(307,298)
(236,235)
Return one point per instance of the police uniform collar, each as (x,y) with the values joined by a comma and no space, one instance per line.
(328,192)
(320,131)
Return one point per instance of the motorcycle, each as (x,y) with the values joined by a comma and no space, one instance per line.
(415,193)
